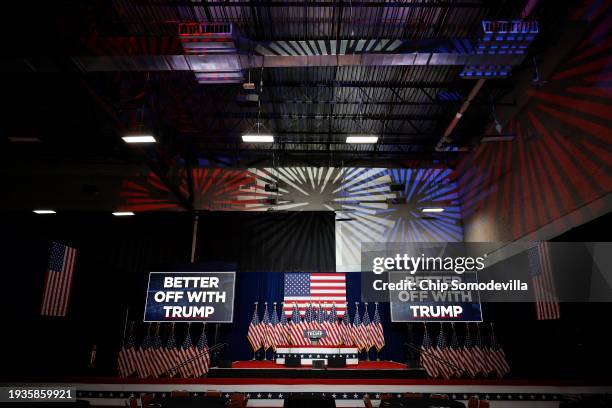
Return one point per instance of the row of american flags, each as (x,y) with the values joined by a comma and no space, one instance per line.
(270,331)
(155,358)
(470,360)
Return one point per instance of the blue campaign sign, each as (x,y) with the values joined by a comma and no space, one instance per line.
(434,297)
(190,297)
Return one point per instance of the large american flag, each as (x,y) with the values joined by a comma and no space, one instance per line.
(58,280)
(315,288)
(542,282)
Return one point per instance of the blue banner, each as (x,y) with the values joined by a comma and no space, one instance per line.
(190,297)
(434,297)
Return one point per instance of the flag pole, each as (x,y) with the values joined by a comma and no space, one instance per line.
(265,350)
(367,350)
(255,351)
(194,238)
(377,350)
(127,311)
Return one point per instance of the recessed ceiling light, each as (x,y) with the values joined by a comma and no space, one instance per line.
(123,213)
(139,139)
(257,138)
(23,139)
(44,211)
(362,139)
(433,210)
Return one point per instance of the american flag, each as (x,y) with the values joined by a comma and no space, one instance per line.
(155,365)
(441,351)
(58,280)
(266,327)
(347,328)
(376,330)
(275,329)
(254,334)
(425,358)
(188,354)
(321,317)
(455,355)
(283,329)
(173,352)
(202,362)
(332,327)
(480,354)
(295,327)
(497,356)
(471,365)
(357,331)
(309,319)
(143,365)
(164,361)
(542,282)
(365,329)
(317,288)
(125,360)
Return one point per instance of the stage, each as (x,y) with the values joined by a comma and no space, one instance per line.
(363,370)
(266,384)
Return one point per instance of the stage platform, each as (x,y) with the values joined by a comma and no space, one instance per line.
(266,385)
(363,370)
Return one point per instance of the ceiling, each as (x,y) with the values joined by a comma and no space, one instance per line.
(79,75)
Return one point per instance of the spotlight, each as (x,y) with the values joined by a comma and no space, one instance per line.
(362,139)
(257,138)
(44,211)
(432,210)
(123,213)
(139,139)
(23,139)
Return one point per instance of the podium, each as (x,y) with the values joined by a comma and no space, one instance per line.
(308,353)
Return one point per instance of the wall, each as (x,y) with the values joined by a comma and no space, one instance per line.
(557,172)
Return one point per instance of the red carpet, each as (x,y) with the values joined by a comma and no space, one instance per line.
(363,365)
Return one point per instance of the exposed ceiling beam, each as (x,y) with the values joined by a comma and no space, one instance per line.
(357,4)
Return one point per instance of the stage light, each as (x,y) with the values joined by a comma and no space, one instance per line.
(432,210)
(23,139)
(257,138)
(362,139)
(44,211)
(139,139)
(123,213)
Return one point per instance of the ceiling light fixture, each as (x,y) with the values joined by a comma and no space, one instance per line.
(23,139)
(257,138)
(44,211)
(139,139)
(123,213)
(362,139)
(432,210)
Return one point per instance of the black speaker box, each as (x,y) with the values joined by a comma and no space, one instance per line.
(336,362)
(293,361)
(318,364)
(225,364)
